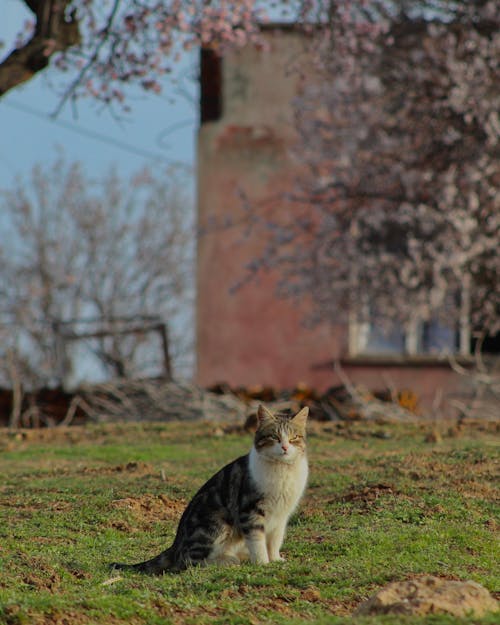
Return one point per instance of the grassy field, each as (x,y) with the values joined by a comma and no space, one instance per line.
(382,505)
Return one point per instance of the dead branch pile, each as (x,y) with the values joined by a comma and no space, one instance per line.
(155,400)
(483,381)
(164,400)
(158,400)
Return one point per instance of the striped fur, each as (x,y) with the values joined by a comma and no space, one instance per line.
(242,511)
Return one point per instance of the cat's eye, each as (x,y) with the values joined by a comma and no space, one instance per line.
(272,438)
(296,438)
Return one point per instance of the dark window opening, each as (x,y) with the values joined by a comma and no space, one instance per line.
(210,86)
(490,343)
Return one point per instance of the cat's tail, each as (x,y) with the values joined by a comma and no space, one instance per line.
(162,563)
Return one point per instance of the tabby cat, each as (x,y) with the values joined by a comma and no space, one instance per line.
(242,511)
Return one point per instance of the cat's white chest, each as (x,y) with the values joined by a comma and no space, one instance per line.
(281,483)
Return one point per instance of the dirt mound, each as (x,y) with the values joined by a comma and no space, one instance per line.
(430,595)
(152,507)
(41,576)
(368,494)
(141,468)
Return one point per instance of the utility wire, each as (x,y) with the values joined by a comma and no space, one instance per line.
(92,134)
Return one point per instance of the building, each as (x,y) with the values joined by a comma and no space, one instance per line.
(247,336)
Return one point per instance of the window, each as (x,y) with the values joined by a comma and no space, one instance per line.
(210,86)
(434,337)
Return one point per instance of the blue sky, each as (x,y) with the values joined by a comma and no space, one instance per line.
(159,129)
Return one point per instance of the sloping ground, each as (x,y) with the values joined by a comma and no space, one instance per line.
(383,506)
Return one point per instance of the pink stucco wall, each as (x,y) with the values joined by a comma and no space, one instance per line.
(249,336)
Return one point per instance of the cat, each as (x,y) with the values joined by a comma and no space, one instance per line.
(242,511)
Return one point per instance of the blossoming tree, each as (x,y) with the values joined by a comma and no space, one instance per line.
(397,216)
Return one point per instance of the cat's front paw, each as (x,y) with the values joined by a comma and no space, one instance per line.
(277,558)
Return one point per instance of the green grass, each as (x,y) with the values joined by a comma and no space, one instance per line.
(381,506)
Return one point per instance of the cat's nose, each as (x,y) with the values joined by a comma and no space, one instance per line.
(284,447)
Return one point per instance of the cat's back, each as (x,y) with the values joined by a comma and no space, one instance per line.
(229,480)
(227,490)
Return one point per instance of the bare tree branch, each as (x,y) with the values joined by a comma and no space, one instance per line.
(114,250)
(104,37)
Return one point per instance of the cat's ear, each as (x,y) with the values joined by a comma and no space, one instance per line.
(264,415)
(300,418)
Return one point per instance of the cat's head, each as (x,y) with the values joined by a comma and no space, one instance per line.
(281,437)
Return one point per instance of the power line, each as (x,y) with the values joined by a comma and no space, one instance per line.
(92,134)
(169,130)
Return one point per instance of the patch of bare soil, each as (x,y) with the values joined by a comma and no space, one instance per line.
(147,509)
(333,606)
(26,508)
(57,617)
(179,615)
(41,576)
(366,496)
(67,618)
(139,468)
(430,595)
(472,477)
(285,603)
